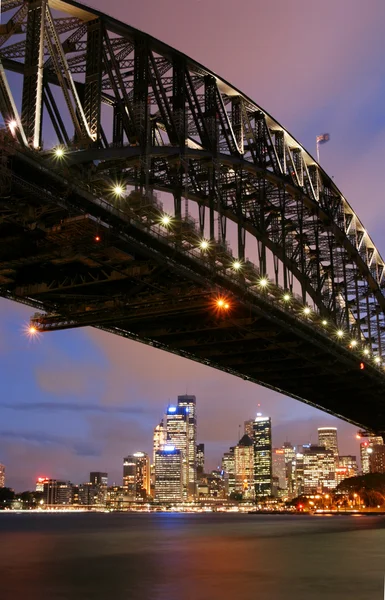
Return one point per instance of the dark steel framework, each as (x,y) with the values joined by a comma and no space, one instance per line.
(83,235)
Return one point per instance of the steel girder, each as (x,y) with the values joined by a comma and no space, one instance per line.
(129,110)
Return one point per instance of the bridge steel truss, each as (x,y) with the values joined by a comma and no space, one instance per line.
(82,235)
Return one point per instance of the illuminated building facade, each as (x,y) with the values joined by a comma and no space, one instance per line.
(178,436)
(160,438)
(228,470)
(319,469)
(327,437)
(57,492)
(99,480)
(366,449)
(40,483)
(263,475)
(169,475)
(279,467)
(200,460)
(249,428)
(136,476)
(189,403)
(244,468)
(377,459)
(349,462)
(290,453)
(2,476)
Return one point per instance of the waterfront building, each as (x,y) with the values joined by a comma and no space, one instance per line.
(377,459)
(327,437)
(279,467)
(200,460)
(2,476)
(98,478)
(169,475)
(90,494)
(244,468)
(366,449)
(57,492)
(228,470)
(319,469)
(189,404)
(40,483)
(263,474)
(178,436)
(136,476)
(116,498)
(160,439)
(298,475)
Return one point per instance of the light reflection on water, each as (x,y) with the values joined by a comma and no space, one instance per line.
(190,557)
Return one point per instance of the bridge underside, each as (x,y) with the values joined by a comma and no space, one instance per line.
(83,266)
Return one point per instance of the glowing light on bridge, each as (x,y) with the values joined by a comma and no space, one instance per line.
(307,311)
(353,343)
(377,360)
(59,152)
(165,220)
(340,333)
(204,245)
(31,331)
(12,126)
(287,297)
(324,322)
(366,351)
(97,238)
(222,304)
(118,190)
(236,265)
(263,282)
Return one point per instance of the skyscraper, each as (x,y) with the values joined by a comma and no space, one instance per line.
(178,437)
(366,449)
(2,476)
(189,402)
(262,456)
(228,468)
(136,476)
(377,459)
(160,438)
(249,428)
(319,469)
(327,437)
(244,468)
(279,467)
(169,475)
(200,460)
(98,478)
(57,492)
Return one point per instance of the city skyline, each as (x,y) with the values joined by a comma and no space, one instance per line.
(81,397)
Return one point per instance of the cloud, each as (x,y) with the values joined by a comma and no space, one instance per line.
(71,407)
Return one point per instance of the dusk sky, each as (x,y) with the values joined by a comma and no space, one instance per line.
(78,401)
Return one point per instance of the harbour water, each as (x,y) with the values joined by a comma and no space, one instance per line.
(167,556)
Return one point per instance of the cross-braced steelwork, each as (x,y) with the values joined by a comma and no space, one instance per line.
(98,119)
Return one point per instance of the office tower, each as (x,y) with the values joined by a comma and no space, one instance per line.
(169,475)
(160,438)
(189,403)
(200,460)
(57,492)
(349,462)
(99,478)
(298,481)
(244,468)
(178,436)
(327,437)
(40,483)
(2,476)
(136,476)
(249,428)
(262,456)
(228,468)
(279,467)
(290,453)
(319,469)
(377,458)
(366,450)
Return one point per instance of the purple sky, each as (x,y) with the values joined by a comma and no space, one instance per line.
(80,400)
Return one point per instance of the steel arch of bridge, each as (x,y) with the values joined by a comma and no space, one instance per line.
(127,110)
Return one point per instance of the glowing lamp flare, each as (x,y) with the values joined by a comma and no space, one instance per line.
(324,322)
(377,360)
(307,310)
(204,245)
(236,265)
(118,190)
(165,220)
(353,343)
(340,333)
(12,126)
(222,304)
(59,152)
(263,282)
(286,297)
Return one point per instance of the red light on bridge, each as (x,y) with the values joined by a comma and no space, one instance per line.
(362,366)
(97,238)
(222,304)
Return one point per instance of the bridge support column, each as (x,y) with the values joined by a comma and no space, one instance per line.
(93,86)
(32,99)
